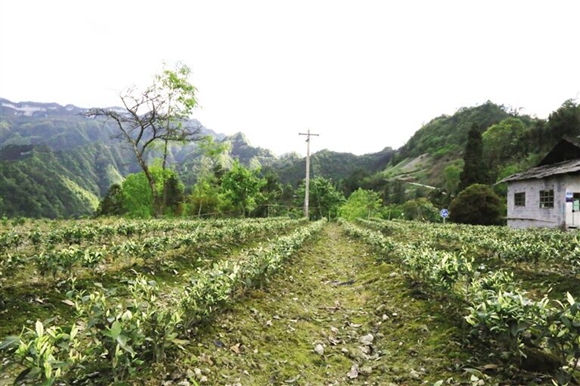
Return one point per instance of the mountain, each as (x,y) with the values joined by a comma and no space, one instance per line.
(330,164)
(512,142)
(56,162)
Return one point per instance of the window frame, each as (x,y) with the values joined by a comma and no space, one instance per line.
(547,199)
(520,199)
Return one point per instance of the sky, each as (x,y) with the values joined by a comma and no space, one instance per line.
(363,74)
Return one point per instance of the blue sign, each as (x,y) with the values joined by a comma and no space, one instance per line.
(444,213)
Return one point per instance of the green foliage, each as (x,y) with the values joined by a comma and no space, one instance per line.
(502,142)
(82,158)
(239,190)
(209,169)
(112,203)
(40,185)
(155,114)
(450,132)
(137,199)
(331,165)
(118,330)
(217,152)
(474,170)
(269,202)
(420,209)
(136,193)
(564,335)
(354,181)
(174,88)
(174,193)
(451,175)
(478,204)
(324,201)
(565,121)
(45,353)
(361,204)
(204,199)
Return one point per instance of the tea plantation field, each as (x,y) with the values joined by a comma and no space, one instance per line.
(285,301)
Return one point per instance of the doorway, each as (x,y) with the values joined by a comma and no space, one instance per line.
(573,210)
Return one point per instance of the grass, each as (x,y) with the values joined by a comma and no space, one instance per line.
(335,316)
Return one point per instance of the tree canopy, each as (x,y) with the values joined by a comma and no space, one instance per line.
(474,171)
(361,204)
(157,113)
(325,199)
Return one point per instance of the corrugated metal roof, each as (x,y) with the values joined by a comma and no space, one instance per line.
(565,167)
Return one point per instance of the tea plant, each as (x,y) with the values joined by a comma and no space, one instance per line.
(44,354)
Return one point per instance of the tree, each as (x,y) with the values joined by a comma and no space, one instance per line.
(270,193)
(565,121)
(398,192)
(204,199)
(325,199)
(473,168)
(137,195)
(502,142)
(452,174)
(175,88)
(477,204)
(209,170)
(157,113)
(239,189)
(173,192)
(354,181)
(420,209)
(361,204)
(112,203)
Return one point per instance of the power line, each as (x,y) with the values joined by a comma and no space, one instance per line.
(308,134)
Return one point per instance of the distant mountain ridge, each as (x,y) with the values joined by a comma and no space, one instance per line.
(56,162)
(37,109)
(49,152)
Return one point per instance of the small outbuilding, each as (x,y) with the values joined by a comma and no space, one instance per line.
(548,195)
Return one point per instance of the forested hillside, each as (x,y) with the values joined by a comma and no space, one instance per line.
(56,162)
(36,181)
(512,142)
(333,165)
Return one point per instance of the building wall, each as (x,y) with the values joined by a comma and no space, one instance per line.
(531,215)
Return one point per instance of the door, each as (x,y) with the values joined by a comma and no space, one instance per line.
(573,210)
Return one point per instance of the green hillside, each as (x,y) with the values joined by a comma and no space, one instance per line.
(39,185)
(511,143)
(55,162)
(332,165)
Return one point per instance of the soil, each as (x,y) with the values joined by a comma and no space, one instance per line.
(336,315)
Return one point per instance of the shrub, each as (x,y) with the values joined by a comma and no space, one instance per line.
(477,204)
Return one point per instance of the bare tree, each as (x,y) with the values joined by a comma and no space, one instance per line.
(158,113)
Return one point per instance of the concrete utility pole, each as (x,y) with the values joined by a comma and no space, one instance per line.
(306,193)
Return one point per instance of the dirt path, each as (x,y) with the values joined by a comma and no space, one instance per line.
(334,317)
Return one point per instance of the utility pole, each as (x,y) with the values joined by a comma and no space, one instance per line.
(306,193)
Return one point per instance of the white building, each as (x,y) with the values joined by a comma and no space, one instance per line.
(549,194)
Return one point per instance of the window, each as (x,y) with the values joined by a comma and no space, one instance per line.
(520,199)
(547,198)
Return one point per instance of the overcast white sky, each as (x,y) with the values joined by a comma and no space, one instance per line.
(364,74)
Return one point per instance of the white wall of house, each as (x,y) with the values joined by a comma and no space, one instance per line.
(532,215)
